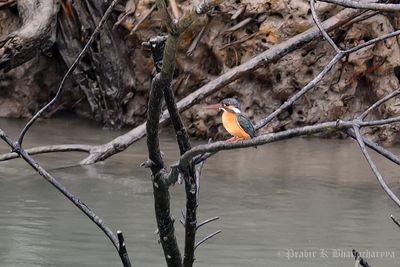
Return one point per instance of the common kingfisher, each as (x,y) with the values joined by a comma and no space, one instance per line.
(237,124)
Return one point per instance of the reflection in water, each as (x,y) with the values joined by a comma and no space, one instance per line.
(304,201)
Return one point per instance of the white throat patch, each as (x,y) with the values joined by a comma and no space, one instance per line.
(236,110)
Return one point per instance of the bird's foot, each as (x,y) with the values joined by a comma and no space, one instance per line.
(232,139)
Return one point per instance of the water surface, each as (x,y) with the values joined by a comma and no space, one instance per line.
(300,202)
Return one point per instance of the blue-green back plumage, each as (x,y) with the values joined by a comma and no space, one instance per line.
(246,124)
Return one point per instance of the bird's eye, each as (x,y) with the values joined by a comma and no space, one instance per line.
(225,105)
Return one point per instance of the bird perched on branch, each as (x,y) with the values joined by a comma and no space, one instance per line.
(234,121)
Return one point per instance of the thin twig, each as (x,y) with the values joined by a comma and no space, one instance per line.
(69,71)
(300,93)
(239,25)
(239,41)
(143,18)
(239,12)
(396,221)
(207,222)
(321,28)
(377,148)
(378,103)
(196,41)
(382,182)
(207,238)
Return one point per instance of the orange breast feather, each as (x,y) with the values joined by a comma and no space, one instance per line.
(232,126)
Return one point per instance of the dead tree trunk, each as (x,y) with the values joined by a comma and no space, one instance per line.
(106,74)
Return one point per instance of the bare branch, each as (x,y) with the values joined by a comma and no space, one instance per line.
(196,41)
(69,71)
(75,200)
(377,148)
(123,253)
(396,221)
(359,259)
(260,140)
(207,222)
(207,238)
(143,18)
(378,103)
(382,182)
(364,5)
(300,93)
(321,28)
(165,222)
(278,136)
(373,41)
(49,149)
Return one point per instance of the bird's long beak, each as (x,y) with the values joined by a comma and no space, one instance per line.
(215,106)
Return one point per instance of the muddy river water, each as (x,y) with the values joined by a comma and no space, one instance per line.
(299,202)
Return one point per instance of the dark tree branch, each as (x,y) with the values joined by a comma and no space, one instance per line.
(359,259)
(122,252)
(175,28)
(69,71)
(396,221)
(75,200)
(165,222)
